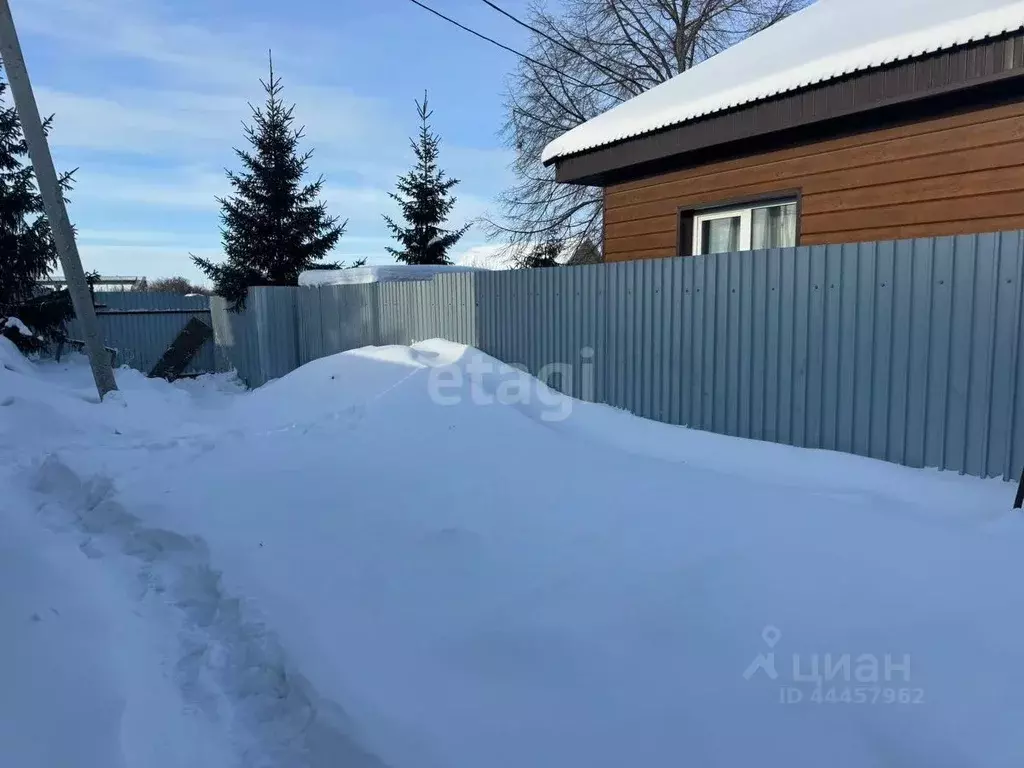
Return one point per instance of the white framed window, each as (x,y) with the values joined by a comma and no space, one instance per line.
(745,228)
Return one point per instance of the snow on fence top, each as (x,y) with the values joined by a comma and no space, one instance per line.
(381,273)
(826,40)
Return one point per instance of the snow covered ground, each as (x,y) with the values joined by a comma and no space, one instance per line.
(339,570)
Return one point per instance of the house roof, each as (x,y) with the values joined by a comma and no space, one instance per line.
(822,42)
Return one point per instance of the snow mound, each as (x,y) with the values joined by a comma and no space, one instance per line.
(11,358)
(419,557)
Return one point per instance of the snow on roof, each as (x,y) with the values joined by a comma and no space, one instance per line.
(826,40)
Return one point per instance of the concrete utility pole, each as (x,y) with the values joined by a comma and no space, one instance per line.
(53,200)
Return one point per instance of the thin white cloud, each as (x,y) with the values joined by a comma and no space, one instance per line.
(171,123)
(144,32)
(492,256)
(348,202)
(127,236)
(190,189)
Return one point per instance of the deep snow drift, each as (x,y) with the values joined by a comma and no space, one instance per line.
(344,568)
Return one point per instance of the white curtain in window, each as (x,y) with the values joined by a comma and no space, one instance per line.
(773,226)
(720,235)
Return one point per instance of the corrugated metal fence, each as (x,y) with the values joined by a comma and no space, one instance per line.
(140,326)
(906,351)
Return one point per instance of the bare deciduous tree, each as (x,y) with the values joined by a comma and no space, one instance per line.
(592,55)
(180,285)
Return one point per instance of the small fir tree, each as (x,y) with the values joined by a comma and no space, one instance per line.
(27,250)
(273,225)
(424,195)
(544,254)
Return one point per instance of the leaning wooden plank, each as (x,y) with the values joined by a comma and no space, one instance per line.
(181,351)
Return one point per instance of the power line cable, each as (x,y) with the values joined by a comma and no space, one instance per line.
(549,38)
(513,50)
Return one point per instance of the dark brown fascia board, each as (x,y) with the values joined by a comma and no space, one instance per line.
(960,78)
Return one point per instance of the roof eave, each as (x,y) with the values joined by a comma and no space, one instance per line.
(971,67)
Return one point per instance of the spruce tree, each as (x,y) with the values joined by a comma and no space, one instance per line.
(27,250)
(544,254)
(273,225)
(424,195)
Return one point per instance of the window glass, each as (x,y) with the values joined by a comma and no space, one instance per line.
(773,226)
(723,230)
(720,235)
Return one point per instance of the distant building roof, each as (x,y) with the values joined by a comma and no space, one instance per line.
(101,280)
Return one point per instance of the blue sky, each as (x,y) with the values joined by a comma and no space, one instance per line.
(149,98)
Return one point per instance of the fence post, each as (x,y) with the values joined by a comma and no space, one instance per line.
(53,202)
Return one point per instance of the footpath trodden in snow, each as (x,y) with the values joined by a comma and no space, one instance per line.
(375,562)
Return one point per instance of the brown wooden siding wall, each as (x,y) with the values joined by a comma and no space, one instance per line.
(953,175)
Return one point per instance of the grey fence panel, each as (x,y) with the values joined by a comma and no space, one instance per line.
(588,344)
(396,317)
(1000,373)
(389,323)
(496,324)
(440,303)
(662,331)
(413,296)
(689,387)
(550,322)
(539,344)
(906,351)
(276,317)
(141,326)
(863,347)
(261,341)
(445,303)
(235,337)
(311,336)
(427,297)
(881,360)
(485,311)
(330,313)
(402,328)
(524,316)
(1014,446)
(742,321)
(412,313)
